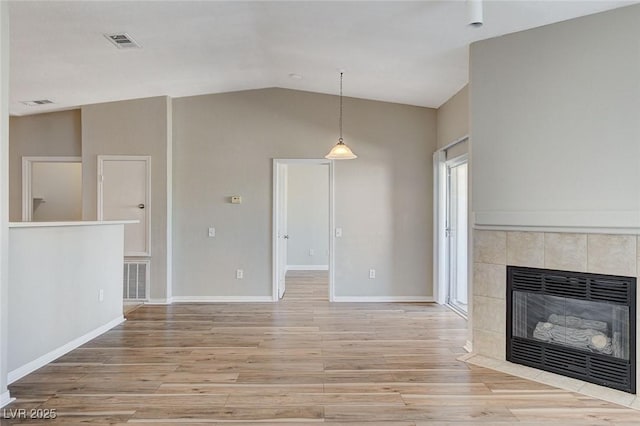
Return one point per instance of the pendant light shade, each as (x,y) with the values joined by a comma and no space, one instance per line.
(340,151)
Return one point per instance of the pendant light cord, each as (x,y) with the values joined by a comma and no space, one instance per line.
(340,121)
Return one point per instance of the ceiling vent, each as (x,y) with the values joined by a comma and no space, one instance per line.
(38,102)
(122,41)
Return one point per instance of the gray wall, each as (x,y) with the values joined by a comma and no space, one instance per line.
(308,214)
(555,119)
(56,134)
(136,127)
(453,118)
(223,146)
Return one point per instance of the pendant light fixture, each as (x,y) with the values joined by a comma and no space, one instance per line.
(340,151)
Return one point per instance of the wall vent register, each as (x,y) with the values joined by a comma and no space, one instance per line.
(38,102)
(575,324)
(135,280)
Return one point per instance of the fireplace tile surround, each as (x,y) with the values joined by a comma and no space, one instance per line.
(611,254)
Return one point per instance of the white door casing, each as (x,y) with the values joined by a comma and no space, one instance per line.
(440,213)
(282,232)
(456,233)
(124,193)
(439,225)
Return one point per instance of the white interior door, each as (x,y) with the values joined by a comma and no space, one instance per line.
(282,234)
(123,194)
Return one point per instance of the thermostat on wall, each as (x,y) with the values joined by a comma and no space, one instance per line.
(236,199)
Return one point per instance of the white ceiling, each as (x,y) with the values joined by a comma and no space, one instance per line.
(412,52)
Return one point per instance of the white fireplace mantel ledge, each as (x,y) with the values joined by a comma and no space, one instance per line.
(556,380)
(597,222)
(559,229)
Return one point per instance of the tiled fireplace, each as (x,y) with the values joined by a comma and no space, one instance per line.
(578,252)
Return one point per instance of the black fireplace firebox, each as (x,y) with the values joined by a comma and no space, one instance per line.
(576,324)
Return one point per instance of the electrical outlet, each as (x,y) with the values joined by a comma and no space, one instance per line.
(239,274)
(101,295)
(312,252)
(212,232)
(372,273)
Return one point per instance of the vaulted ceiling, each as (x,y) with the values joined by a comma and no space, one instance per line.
(413,52)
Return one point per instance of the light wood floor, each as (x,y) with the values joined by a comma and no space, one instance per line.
(300,361)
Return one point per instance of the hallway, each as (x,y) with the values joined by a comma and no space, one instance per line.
(306,286)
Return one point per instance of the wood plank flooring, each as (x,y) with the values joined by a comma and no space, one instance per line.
(301,361)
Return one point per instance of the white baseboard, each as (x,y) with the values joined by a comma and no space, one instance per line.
(307,267)
(378,299)
(468,346)
(45,359)
(222,299)
(5,399)
(159,301)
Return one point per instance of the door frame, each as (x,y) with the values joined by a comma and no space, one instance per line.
(282,199)
(276,212)
(449,164)
(147,203)
(440,212)
(27,190)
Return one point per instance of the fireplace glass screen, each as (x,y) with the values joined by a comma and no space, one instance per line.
(577,324)
(596,327)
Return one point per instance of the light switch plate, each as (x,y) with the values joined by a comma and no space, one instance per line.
(338,232)
(212,232)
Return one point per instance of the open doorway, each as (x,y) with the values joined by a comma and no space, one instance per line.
(51,189)
(302,223)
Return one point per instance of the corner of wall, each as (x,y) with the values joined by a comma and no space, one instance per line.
(452,118)
(135,127)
